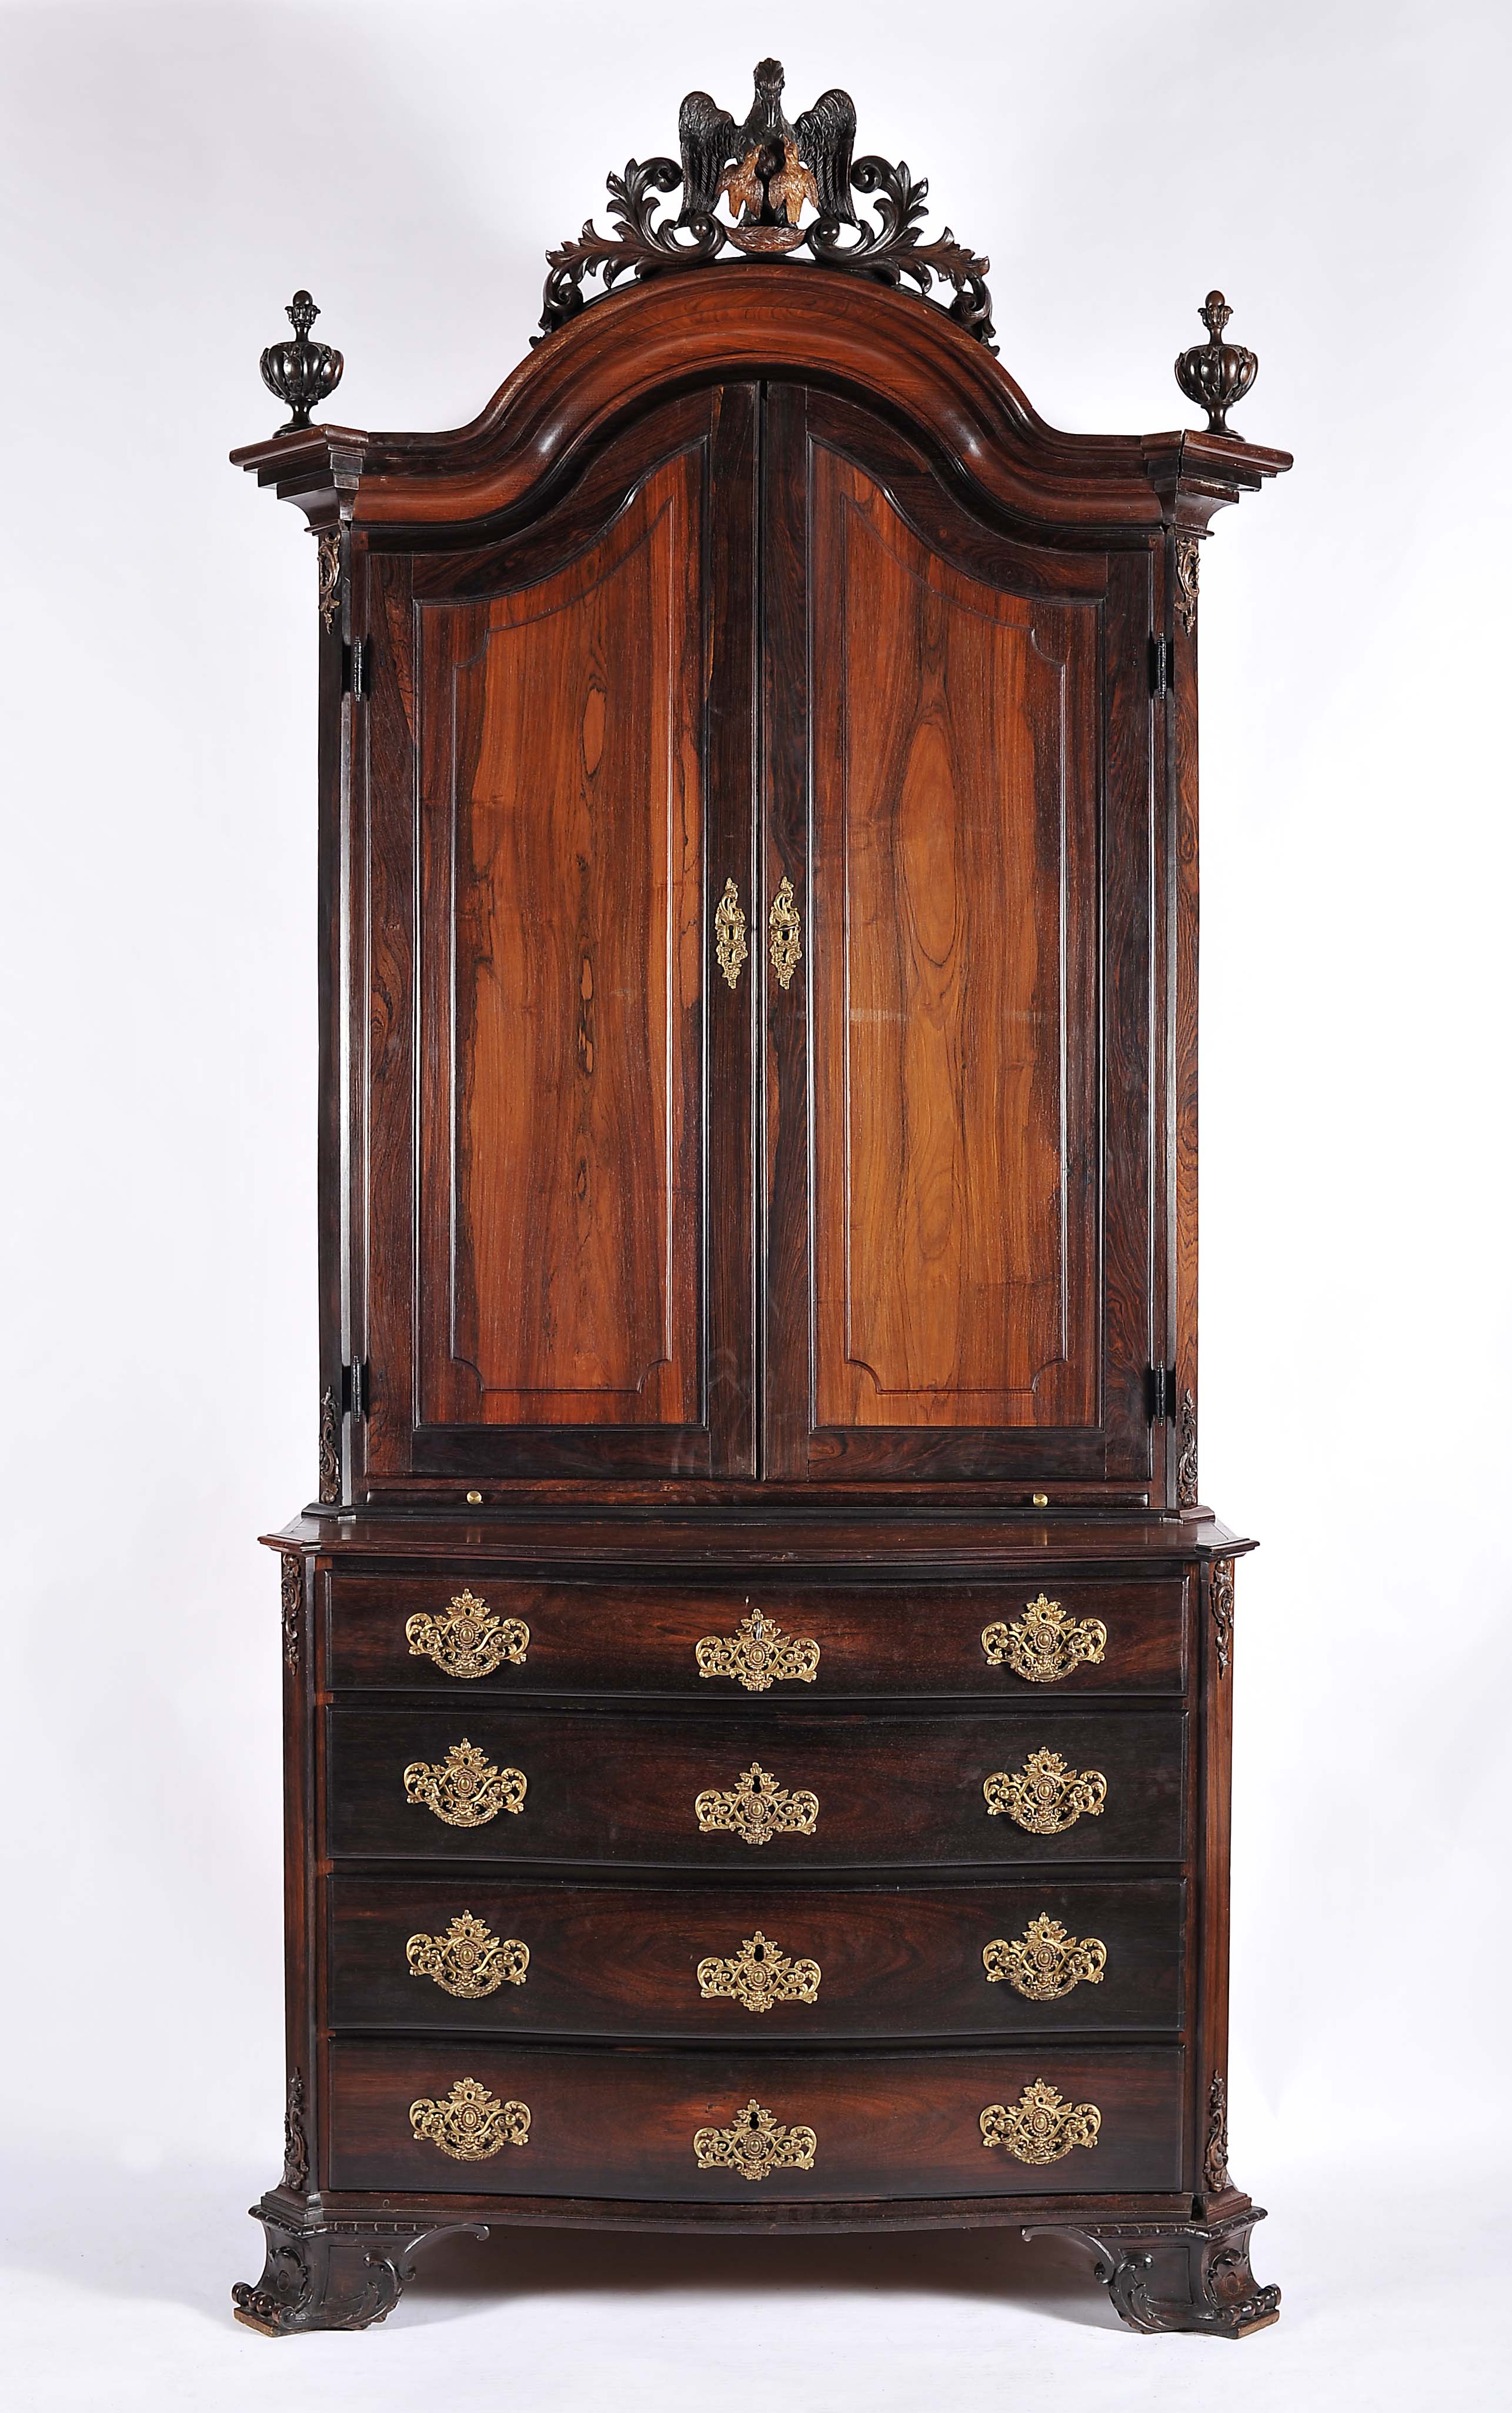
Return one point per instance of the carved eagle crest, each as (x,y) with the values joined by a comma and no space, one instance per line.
(767,169)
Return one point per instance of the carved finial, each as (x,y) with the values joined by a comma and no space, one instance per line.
(300,372)
(1216,375)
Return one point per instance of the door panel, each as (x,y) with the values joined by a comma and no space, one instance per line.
(940,782)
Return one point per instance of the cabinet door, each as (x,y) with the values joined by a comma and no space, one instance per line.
(958,1095)
(558,792)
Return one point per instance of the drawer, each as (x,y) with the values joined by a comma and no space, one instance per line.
(788,1788)
(497,2119)
(483,1638)
(786,1963)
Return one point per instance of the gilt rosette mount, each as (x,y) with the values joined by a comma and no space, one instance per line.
(301,374)
(1216,375)
(785,187)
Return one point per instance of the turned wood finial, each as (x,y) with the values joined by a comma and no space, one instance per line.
(1216,375)
(300,372)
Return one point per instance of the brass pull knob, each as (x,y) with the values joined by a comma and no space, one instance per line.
(756,1808)
(730,948)
(469,2123)
(1044,1644)
(469,1960)
(759,1657)
(755,2145)
(757,1975)
(465,1640)
(785,931)
(1041,2127)
(1044,1796)
(465,1789)
(1044,1962)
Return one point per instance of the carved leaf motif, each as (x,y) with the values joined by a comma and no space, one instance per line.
(756,1808)
(1044,1797)
(465,1789)
(469,2123)
(1042,2126)
(291,1595)
(1044,1962)
(1044,1645)
(759,1657)
(757,1975)
(755,2145)
(1221,1599)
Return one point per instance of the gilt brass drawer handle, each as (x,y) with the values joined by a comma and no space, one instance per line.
(754,2145)
(759,1657)
(469,1960)
(1045,1797)
(756,1808)
(730,948)
(469,2123)
(1041,2127)
(785,928)
(1044,1644)
(465,1640)
(1044,1962)
(465,1789)
(757,1975)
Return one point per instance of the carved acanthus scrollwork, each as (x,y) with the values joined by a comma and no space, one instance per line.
(756,1807)
(469,1960)
(296,2176)
(465,1789)
(291,1595)
(1221,1601)
(1215,2150)
(338,2274)
(329,541)
(1044,1962)
(330,1491)
(1041,2127)
(1044,1796)
(1044,1644)
(769,171)
(1186,1463)
(1188,578)
(759,1656)
(1174,2275)
(757,1975)
(465,1640)
(755,2144)
(469,2123)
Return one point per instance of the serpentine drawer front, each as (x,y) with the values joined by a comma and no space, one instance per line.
(797,1790)
(789,1963)
(724,2126)
(1058,1636)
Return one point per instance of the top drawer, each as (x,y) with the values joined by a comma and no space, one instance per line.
(1044,1637)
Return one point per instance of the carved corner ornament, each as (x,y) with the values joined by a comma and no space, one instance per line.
(328,543)
(1186,1462)
(296,2178)
(1042,2127)
(291,1595)
(469,1960)
(786,186)
(465,1789)
(757,1975)
(1044,1645)
(759,1656)
(1044,1796)
(1221,1601)
(1216,375)
(1215,2150)
(465,1640)
(469,2123)
(1188,578)
(329,1493)
(756,1807)
(1044,1962)
(755,2144)
(301,374)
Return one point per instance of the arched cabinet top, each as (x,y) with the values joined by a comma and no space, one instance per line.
(887,349)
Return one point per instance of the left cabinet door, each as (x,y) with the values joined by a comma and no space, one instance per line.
(556,1249)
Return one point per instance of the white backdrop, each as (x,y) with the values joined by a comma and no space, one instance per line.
(172,173)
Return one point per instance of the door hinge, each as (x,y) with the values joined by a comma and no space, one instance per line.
(356,667)
(354,1389)
(1162,1380)
(1160,665)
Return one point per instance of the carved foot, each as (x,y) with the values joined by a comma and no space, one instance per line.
(332,2274)
(1181,2275)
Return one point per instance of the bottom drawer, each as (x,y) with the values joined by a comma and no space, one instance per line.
(469,2118)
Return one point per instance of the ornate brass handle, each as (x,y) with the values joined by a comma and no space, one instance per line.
(756,1808)
(757,1975)
(465,1640)
(465,1789)
(1044,1962)
(755,2145)
(730,948)
(469,1960)
(469,2123)
(785,931)
(759,1657)
(1044,1644)
(1044,1796)
(1041,2127)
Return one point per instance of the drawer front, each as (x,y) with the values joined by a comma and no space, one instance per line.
(1049,1638)
(496,2119)
(790,1963)
(788,1790)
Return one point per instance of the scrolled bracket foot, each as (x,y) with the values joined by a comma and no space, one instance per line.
(332,2274)
(1193,2276)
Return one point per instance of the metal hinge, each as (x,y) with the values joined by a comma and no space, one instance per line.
(354,1389)
(356,667)
(1162,1381)
(1159,666)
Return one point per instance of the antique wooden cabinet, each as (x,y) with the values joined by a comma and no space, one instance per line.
(758,1672)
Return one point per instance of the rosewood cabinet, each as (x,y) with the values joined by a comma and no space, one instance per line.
(758,1597)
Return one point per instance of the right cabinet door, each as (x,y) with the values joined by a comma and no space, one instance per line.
(959,1105)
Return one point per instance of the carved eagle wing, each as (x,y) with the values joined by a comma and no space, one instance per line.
(706,139)
(826,133)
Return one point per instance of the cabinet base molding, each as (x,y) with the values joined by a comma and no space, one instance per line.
(334,2275)
(1190,2274)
